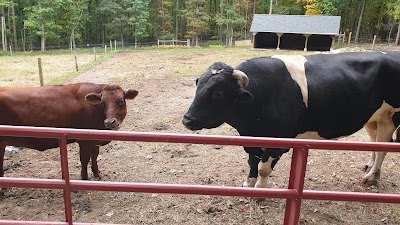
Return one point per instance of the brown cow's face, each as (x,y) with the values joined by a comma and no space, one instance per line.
(112,99)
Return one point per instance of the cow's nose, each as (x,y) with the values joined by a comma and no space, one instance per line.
(187,121)
(110,123)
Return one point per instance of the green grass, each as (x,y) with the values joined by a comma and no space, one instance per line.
(62,78)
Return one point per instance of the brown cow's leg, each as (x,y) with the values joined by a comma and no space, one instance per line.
(95,168)
(84,155)
(2,150)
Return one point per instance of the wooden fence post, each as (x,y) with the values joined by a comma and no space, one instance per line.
(105,49)
(40,71)
(348,42)
(373,42)
(76,62)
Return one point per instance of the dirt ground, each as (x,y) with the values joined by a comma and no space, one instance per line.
(165,92)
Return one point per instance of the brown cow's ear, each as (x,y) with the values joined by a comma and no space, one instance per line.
(131,93)
(93,98)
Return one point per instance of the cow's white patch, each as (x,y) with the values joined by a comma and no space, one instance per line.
(380,128)
(295,66)
(384,53)
(380,125)
(310,135)
(264,170)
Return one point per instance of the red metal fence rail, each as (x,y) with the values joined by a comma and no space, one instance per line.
(294,194)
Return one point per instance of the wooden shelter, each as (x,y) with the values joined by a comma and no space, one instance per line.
(315,33)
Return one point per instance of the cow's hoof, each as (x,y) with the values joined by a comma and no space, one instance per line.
(250,182)
(261,185)
(369,181)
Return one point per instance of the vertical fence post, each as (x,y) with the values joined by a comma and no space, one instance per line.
(94,52)
(65,177)
(348,42)
(105,49)
(373,42)
(40,71)
(76,62)
(296,182)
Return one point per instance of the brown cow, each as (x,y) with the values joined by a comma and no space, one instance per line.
(81,105)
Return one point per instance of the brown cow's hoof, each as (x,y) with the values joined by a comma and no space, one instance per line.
(97,175)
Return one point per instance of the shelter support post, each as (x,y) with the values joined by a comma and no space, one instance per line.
(333,42)
(279,40)
(306,43)
(253,40)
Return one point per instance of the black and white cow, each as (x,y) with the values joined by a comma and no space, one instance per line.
(318,96)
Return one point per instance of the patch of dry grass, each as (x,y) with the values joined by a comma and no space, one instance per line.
(23,70)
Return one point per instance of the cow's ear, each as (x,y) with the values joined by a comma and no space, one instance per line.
(244,97)
(131,93)
(93,98)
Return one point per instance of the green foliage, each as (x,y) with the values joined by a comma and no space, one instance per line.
(197,17)
(41,18)
(393,7)
(58,22)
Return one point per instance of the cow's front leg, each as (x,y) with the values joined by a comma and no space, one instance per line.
(266,165)
(84,156)
(2,150)
(95,168)
(253,173)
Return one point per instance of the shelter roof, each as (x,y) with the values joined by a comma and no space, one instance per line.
(296,24)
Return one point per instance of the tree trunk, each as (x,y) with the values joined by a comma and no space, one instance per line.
(3,34)
(398,35)
(43,40)
(72,45)
(122,40)
(23,39)
(14,29)
(9,25)
(176,20)
(359,22)
(270,7)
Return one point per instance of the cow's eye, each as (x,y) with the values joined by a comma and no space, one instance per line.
(218,95)
(121,102)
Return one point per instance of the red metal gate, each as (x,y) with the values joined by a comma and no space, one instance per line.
(294,194)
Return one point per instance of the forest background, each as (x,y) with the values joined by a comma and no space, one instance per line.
(39,24)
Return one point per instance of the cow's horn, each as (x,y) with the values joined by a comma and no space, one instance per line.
(239,75)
